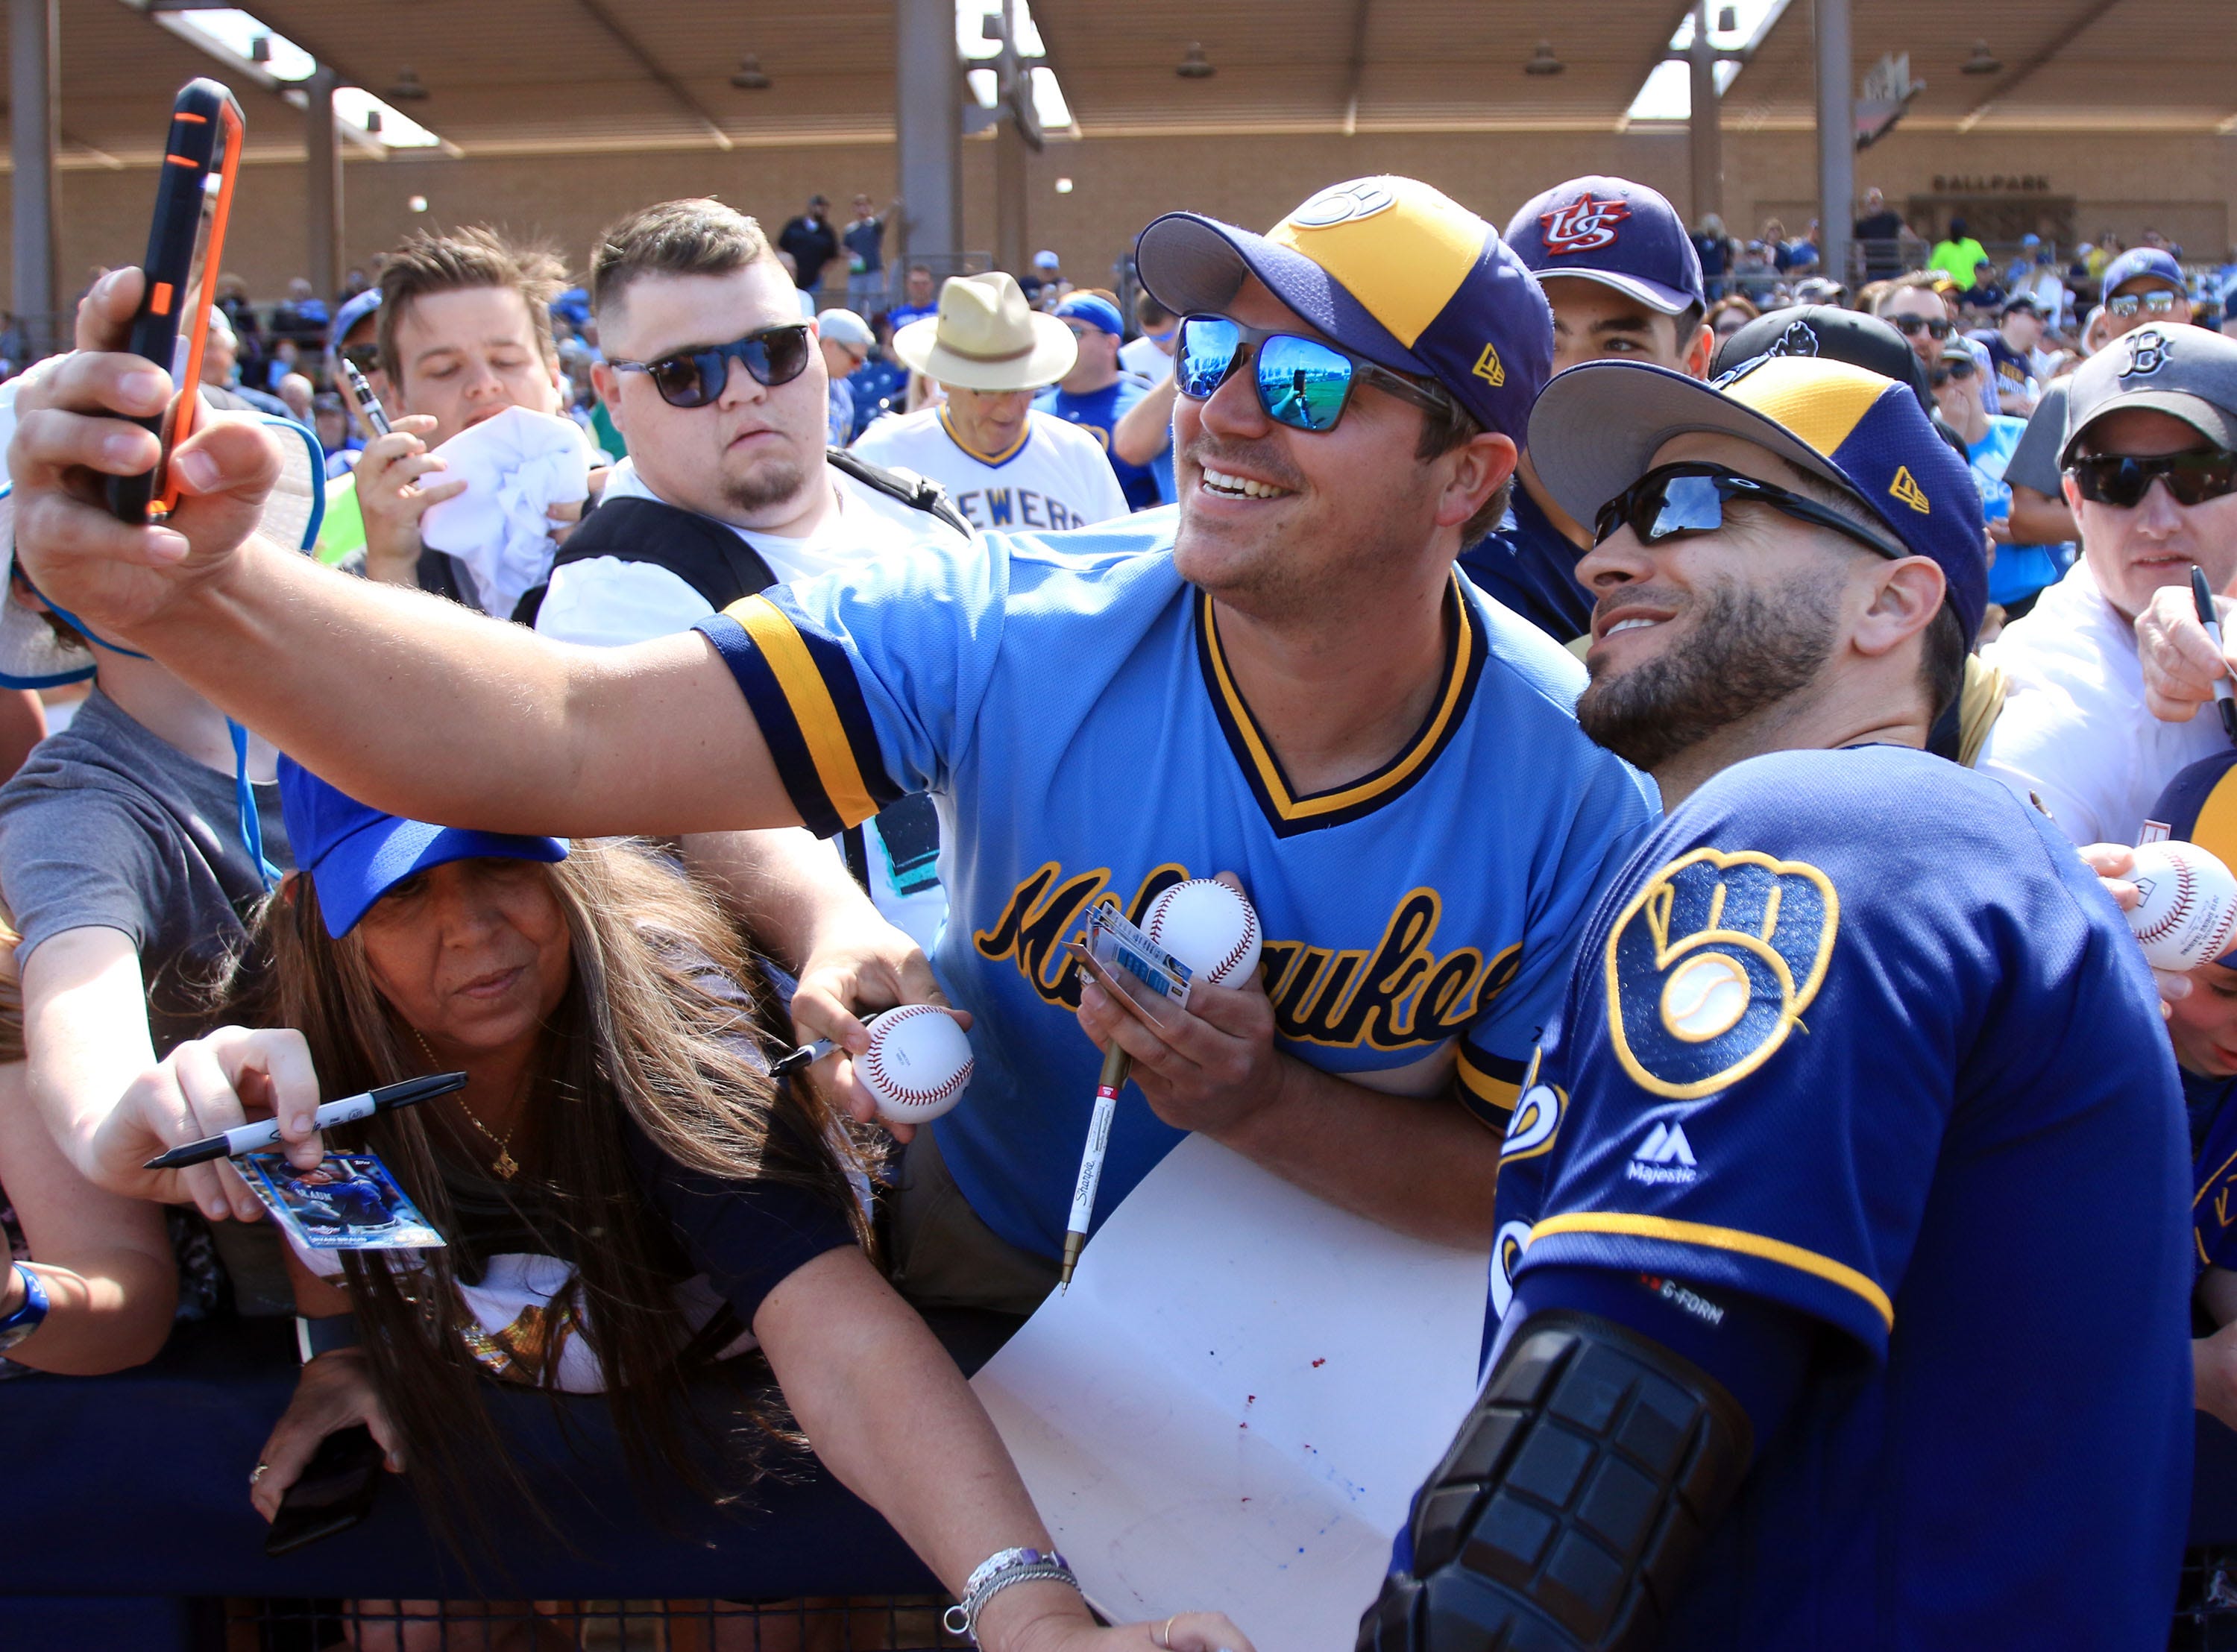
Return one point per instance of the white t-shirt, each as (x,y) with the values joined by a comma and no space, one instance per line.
(1142,357)
(605,601)
(608,602)
(2074,731)
(1055,478)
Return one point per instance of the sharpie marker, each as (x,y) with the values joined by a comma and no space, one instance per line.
(2224,700)
(806,1056)
(1108,1084)
(254,1138)
(367,402)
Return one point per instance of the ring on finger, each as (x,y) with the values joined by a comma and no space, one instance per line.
(1164,1636)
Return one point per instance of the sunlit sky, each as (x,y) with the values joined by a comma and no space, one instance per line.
(1668,94)
(235,30)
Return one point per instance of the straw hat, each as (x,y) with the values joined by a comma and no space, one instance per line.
(985,337)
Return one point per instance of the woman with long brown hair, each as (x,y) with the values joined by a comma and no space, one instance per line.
(626,1195)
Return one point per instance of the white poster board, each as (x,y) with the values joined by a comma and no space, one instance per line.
(1232,1407)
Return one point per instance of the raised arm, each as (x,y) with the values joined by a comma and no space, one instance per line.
(413,704)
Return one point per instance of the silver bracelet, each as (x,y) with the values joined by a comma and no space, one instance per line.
(997,1572)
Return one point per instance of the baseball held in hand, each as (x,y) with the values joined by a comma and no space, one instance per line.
(918,1065)
(1209,927)
(2188,913)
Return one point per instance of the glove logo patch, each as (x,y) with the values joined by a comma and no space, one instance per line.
(1711,966)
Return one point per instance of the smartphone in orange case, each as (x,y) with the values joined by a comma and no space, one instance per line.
(193,197)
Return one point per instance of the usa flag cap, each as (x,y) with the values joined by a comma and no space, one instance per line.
(1611,230)
(1390,268)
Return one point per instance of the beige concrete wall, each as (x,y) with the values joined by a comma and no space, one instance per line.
(2188,185)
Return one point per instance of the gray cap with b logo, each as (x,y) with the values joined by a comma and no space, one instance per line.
(2165,367)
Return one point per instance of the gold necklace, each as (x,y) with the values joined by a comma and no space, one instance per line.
(505,1164)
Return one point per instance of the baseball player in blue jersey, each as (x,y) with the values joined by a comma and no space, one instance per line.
(1285,679)
(1625,284)
(1772,1366)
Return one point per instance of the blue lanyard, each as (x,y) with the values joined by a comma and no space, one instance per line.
(252,827)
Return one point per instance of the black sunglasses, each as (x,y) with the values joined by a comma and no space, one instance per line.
(1304,383)
(366,358)
(1909,325)
(2192,479)
(695,378)
(1690,498)
(2158,301)
(1952,369)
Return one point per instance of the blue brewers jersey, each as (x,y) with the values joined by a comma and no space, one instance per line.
(1068,703)
(1857,1033)
(1531,566)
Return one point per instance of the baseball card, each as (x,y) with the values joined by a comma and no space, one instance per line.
(1134,963)
(348,1202)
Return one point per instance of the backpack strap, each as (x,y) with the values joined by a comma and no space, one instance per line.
(917,492)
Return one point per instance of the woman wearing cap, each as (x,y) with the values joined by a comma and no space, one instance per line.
(629,1201)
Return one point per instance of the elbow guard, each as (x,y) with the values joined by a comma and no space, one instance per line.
(1570,1506)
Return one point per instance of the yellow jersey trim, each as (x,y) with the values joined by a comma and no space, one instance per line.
(1424,744)
(806,692)
(1003,457)
(1731,1239)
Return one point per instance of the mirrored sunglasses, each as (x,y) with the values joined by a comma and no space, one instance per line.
(1301,381)
(1690,498)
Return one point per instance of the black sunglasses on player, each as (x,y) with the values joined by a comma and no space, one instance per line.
(1690,498)
(2158,301)
(1909,325)
(694,378)
(2120,480)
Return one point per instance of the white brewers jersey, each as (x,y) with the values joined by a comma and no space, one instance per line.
(1056,477)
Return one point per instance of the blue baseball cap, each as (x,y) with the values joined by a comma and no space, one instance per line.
(1611,230)
(355,854)
(349,315)
(1097,311)
(1599,425)
(2141,260)
(1390,269)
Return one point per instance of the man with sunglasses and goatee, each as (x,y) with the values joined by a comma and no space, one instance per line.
(2151,420)
(723,397)
(1772,1366)
(1284,680)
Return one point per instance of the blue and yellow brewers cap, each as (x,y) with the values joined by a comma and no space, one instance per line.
(1597,427)
(2200,806)
(1387,268)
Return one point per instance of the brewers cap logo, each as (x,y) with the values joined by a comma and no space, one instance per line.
(1506,1248)
(1711,965)
(1905,487)
(1537,1119)
(1800,338)
(1341,204)
(1584,225)
(2148,350)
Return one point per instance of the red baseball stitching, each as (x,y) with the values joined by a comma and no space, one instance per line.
(2186,886)
(1236,954)
(900,1090)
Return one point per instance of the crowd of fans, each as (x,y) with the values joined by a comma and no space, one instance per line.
(804,454)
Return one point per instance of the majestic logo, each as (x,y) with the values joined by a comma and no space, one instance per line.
(2148,350)
(1709,967)
(1342,203)
(1489,368)
(1583,225)
(1905,487)
(1400,993)
(1664,1157)
(1800,338)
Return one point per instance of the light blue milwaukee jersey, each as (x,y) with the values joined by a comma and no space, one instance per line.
(1066,701)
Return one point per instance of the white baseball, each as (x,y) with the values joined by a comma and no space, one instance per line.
(918,1063)
(2188,913)
(1209,927)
